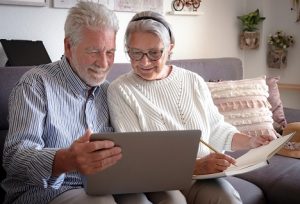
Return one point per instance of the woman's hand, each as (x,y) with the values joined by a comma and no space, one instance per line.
(242,141)
(260,140)
(213,163)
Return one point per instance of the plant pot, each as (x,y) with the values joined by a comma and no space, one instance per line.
(249,40)
(277,58)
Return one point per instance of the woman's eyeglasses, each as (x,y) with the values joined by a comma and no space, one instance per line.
(137,55)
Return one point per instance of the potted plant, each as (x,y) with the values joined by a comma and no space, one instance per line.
(249,37)
(277,49)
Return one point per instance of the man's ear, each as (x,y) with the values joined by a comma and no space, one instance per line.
(67,47)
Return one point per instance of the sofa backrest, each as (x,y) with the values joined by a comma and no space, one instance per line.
(214,69)
(209,69)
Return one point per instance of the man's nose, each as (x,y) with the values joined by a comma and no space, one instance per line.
(102,60)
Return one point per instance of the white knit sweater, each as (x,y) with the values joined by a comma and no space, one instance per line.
(180,101)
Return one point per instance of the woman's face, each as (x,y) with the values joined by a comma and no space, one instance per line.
(148,56)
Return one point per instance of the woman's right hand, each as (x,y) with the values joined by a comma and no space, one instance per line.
(213,163)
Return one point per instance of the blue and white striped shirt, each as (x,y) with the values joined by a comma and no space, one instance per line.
(48,109)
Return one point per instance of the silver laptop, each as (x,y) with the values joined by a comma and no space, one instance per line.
(151,161)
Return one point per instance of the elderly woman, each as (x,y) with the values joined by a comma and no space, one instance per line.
(157,96)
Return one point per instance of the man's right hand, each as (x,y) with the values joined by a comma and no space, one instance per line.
(86,157)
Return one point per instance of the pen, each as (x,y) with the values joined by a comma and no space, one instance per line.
(211,148)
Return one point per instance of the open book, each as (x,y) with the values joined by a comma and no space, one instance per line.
(253,159)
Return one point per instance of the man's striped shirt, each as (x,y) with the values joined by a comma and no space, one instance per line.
(49,108)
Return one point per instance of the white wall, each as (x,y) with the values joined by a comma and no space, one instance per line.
(213,34)
(278,17)
(196,36)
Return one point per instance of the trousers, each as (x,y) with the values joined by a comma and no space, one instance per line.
(78,196)
(212,191)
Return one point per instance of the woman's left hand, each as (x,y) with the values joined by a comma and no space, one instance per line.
(257,141)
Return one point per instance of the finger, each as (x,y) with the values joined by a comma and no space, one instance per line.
(262,140)
(107,162)
(85,137)
(103,164)
(268,137)
(105,153)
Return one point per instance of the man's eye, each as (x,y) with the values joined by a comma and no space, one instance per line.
(92,52)
(110,53)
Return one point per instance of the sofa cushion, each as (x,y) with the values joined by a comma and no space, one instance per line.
(275,101)
(249,192)
(244,104)
(8,78)
(280,180)
(2,172)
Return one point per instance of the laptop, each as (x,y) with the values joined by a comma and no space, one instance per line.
(151,162)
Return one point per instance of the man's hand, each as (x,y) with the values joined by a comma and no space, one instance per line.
(213,163)
(86,157)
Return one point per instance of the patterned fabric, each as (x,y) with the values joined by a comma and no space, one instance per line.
(244,104)
(48,109)
(275,101)
(180,101)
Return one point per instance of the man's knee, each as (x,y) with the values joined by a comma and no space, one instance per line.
(79,196)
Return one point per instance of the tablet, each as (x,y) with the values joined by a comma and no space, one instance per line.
(151,162)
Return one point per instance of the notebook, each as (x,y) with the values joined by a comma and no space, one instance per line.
(151,161)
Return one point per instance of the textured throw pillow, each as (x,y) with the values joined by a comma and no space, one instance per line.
(244,104)
(275,101)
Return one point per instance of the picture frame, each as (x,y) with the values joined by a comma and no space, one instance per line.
(25,2)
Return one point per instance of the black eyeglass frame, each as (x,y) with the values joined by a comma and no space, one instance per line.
(142,54)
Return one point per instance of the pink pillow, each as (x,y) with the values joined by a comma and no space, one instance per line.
(275,101)
(244,104)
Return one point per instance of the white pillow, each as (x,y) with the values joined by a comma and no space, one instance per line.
(244,104)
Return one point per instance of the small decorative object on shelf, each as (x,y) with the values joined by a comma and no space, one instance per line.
(296,7)
(178,5)
(249,37)
(277,49)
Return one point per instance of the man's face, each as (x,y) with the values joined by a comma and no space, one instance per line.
(93,55)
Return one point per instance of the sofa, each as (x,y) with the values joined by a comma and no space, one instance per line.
(279,182)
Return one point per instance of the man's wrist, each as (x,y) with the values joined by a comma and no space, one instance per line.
(61,162)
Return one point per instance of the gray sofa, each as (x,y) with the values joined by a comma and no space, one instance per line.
(279,182)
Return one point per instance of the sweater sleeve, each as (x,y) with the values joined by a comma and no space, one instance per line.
(221,132)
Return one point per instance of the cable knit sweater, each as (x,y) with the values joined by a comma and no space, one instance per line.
(180,101)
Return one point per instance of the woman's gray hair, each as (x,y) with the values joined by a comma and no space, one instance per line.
(152,22)
(89,14)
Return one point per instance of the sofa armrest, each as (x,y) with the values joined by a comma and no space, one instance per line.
(292,115)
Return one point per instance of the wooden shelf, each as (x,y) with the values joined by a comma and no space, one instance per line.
(186,13)
(295,87)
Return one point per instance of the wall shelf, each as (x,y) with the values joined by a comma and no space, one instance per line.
(186,13)
(295,87)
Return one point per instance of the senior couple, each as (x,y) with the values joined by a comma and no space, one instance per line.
(54,108)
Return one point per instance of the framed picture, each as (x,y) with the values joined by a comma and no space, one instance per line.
(25,2)
(118,5)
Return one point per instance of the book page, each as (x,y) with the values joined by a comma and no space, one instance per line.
(253,159)
(262,153)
